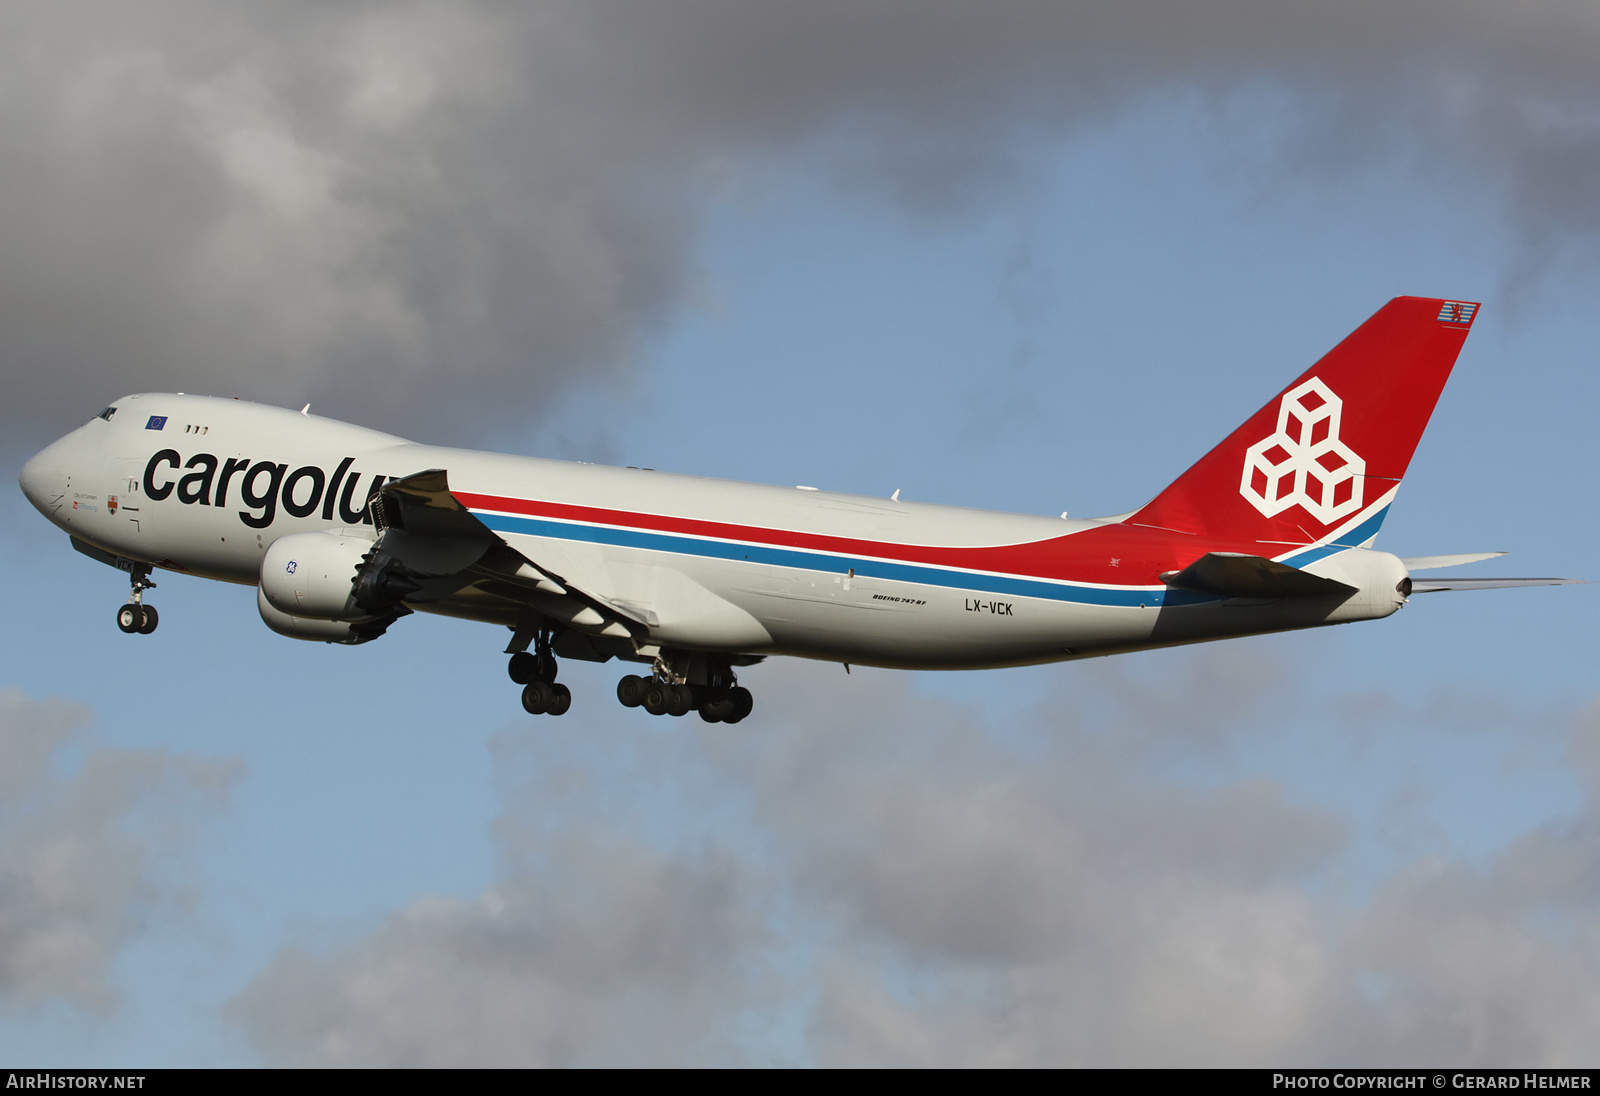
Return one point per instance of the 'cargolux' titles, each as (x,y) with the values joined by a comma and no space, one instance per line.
(263,486)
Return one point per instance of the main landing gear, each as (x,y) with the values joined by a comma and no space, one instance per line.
(682,683)
(720,700)
(536,672)
(136,616)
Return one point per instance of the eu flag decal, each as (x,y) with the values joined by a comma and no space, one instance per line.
(157,422)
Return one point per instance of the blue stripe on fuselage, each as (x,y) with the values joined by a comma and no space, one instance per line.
(839,565)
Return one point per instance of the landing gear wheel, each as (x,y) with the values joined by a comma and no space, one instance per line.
(130,618)
(717,707)
(630,690)
(679,700)
(560,699)
(539,697)
(743,702)
(136,616)
(657,696)
(538,664)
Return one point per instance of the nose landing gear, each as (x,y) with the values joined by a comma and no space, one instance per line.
(136,616)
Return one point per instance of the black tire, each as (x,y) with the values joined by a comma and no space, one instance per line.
(717,706)
(151,619)
(743,702)
(523,667)
(630,690)
(130,618)
(537,697)
(560,700)
(656,697)
(680,700)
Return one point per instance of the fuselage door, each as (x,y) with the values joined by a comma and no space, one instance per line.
(125,493)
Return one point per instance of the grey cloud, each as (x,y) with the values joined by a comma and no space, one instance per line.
(611,954)
(371,206)
(1172,976)
(1071,908)
(84,856)
(1493,965)
(907,819)
(925,886)
(1494,962)
(428,213)
(1064,906)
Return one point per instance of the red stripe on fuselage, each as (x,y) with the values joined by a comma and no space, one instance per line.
(1109,555)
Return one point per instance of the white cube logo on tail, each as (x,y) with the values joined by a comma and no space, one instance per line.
(1304,463)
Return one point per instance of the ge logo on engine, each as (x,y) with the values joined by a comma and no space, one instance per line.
(1304,463)
(292,565)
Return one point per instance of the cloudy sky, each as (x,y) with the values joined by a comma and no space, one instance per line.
(1031,255)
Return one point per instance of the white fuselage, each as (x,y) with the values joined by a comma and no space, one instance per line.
(709,565)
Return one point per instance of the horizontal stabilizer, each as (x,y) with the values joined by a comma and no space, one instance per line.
(1234,574)
(1429,563)
(1436,585)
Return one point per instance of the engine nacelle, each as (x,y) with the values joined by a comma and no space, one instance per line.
(312,576)
(325,631)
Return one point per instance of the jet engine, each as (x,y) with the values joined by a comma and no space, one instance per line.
(326,631)
(313,575)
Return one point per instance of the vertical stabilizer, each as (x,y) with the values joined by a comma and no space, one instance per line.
(1322,460)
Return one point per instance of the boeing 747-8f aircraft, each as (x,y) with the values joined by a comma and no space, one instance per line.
(345,530)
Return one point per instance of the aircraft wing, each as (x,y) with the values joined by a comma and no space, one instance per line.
(422,505)
(427,530)
(1234,574)
(444,551)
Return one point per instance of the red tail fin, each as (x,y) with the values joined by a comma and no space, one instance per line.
(1322,460)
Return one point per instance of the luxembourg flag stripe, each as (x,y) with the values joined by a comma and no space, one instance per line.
(751,534)
(864,567)
(815,557)
(1037,569)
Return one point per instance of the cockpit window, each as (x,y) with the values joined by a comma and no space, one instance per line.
(107,413)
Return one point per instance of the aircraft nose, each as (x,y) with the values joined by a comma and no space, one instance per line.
(43,480)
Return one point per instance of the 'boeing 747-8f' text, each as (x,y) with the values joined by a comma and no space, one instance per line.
(345,530)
